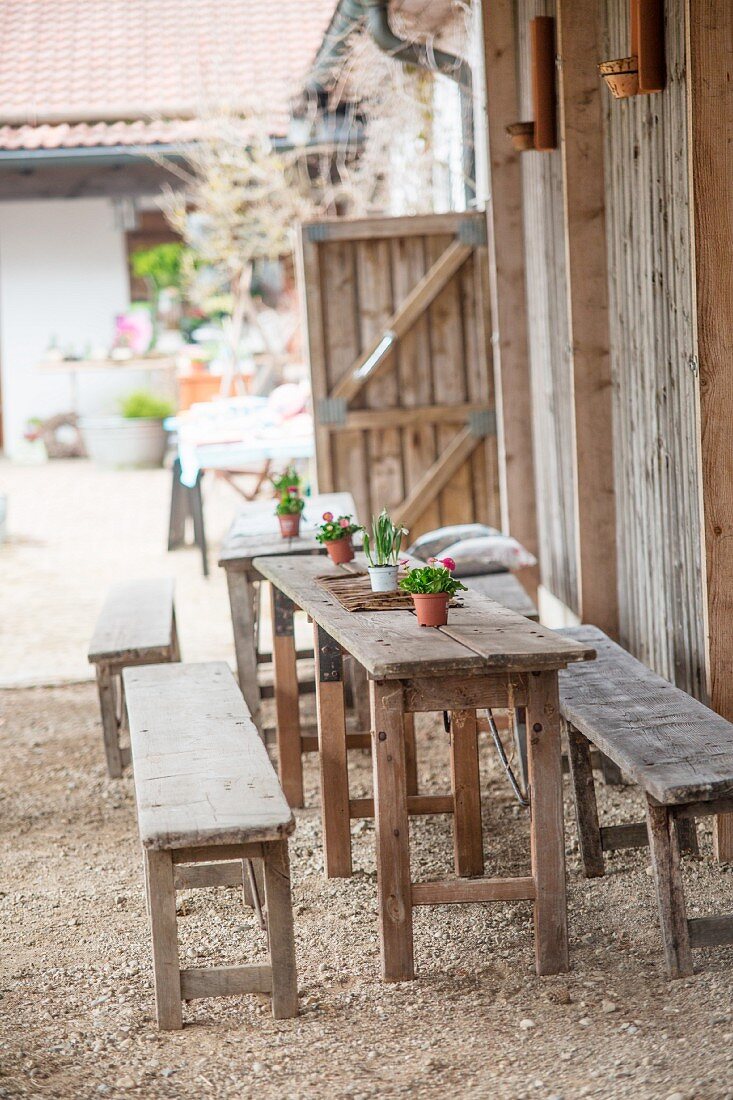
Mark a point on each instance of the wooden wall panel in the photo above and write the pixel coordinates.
(661, 590)
(550, 348)
(506, 277)
(711, 84)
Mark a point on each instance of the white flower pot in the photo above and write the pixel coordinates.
(383, 577)
(124, 441)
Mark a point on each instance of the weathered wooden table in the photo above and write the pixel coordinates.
(487, 656)
(255, 533)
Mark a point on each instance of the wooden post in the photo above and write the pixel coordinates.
(241, 602)
(332, 755)
(280, 930)
(392, 829)
(467, 834)
(287, 705)
(507, 286)
(164, 934)
(110, 728)
(665, 853)
(581, 143)
(711, 89)
(547, 826)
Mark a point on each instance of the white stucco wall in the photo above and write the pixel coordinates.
(62, 276)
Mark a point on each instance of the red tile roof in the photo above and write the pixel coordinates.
(77, 73)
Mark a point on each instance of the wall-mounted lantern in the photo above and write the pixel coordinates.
(644, 71)
(540, 135)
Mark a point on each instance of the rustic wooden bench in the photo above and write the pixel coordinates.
(207, 794)
(677, 750)
(137, 626)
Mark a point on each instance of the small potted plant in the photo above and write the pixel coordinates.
(382, 549)
(290, 504)
(432, 587)
(336, 535)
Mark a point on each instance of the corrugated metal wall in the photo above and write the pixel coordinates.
(652, 340)
(549, 341)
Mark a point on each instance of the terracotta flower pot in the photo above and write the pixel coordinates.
(290, 525)
(431, 608)
(340, 550)
(621, 76)
(522, 136)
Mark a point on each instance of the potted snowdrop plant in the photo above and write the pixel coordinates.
(290, 503)
(382, 549)
(432, 588)
(336, 534)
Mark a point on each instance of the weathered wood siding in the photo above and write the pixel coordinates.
(549, 342)
(661, 587)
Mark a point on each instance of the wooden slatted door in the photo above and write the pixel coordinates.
(398, 337)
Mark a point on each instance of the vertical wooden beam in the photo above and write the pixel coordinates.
(711, 139)
(507, 285)
(581, 143)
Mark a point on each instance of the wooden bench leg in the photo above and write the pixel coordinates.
(175, 644)
(392, 831)
(520, 741)
(280, 930)
(586, 807)
(467, 834)
(197, 513)
(670, 894)
(547, 831)
(612, 775)
(287, 704)
(164, 934)
(241, 602)
(687, 835)
(332, 755)
(410, 754)
(110, 726)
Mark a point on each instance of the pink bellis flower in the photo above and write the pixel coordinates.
(328, 516)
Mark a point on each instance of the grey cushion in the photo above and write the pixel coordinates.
(432, 542)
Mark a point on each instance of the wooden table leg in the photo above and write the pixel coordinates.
(241, 602)
(287, 704)
(547, 826)
(410, 754)
(332, 755)
(467, 834)
(392, 831)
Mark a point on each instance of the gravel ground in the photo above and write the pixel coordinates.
(76, 1001)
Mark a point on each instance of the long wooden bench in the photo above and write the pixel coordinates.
(677, 750)
(136, 626)
(207, 795)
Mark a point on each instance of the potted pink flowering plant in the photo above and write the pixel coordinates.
(336, 534)
(432, 587)
(290, 503)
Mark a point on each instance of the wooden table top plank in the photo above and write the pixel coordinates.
(137, 617)
(202, 774)
(674, 746)
(508, 639)
(255, 533)
(390, 644)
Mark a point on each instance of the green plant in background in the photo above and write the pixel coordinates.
(160, 267)
(143, 405)
(431, 580)
(288, 479)
(291, 503)
(382, 545)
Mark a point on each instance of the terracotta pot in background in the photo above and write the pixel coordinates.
(340, 550)
(432, 608)
(290, 525)
(621, 76)
(522, 136)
